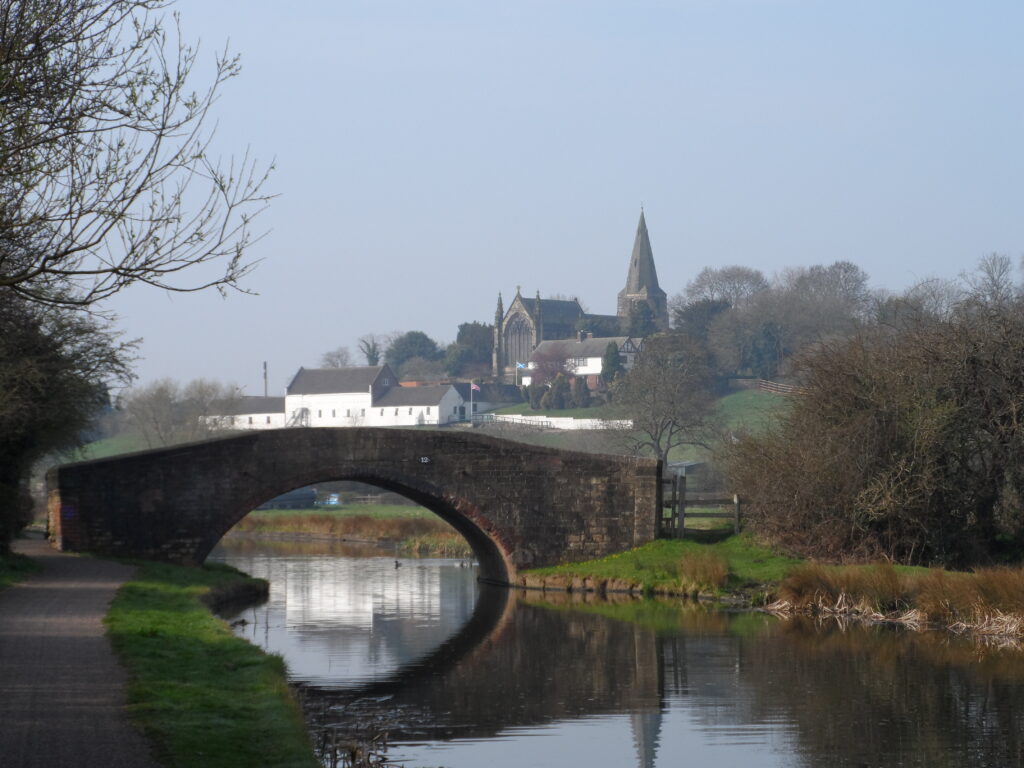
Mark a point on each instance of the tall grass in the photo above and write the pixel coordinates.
(366, 527)
(988, 601)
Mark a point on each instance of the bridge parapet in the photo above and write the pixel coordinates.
(518, 505)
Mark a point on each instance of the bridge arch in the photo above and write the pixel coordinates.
(517, 505)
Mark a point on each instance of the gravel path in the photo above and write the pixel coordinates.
(62, 692)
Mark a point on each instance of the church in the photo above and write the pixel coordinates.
(528, 322)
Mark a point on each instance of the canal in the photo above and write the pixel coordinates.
(462, 675)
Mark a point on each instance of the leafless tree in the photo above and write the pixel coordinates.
(336, 358)
(372, 348)
(106, 177)
(668, 396)
(164, 413)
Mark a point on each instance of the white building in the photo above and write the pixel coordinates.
(251, 412)
(581, 357)
(366, 397)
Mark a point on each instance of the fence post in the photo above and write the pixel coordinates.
(681, 494)
(736, 503)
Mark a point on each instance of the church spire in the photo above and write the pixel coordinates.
(642, 273)
(642, 281)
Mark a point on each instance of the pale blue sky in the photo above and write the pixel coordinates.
(432, 154)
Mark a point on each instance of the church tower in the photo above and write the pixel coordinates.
(642, 281)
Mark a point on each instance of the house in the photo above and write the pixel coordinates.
(251, 412)
(582, 357)
(367, 396)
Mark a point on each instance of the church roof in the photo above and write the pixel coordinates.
(554, 310)
(324, 381)
(642, 276)
(572, 348)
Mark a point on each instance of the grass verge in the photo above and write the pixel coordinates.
(671, 566)
(15, 568)
(203, 696)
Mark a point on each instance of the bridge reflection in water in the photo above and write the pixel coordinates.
(694, 685)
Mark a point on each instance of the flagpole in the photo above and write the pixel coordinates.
(470, 401)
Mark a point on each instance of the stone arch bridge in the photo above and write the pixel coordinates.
(518, 505)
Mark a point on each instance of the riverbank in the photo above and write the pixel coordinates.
(201, 695)
(735, 569)
(987, 602)
(414, 531)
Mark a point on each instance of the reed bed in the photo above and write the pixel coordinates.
(442, 544)
(703, 572)
(365, 527)
(988, 602)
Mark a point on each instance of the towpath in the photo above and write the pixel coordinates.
(62, 692)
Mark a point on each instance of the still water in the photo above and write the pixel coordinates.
(465, 676)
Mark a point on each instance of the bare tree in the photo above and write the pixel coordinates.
(165, 413)
(668, 396)
(734, 284)
(105, 174)
(372, 347)
(336, 358)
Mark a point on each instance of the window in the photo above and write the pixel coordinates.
(428, 410)
(381, 411)
(348, 412)
(333, 414)
(455, 409)
(410, 411)
(319, 414)
(396, 411)
(268, 419)
(362, 411)
(250, 419)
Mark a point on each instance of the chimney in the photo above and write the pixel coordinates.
(581, 336)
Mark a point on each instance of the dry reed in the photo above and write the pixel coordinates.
(987, 602)
(703, 572)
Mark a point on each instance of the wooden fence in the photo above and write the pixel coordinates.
(676, 500)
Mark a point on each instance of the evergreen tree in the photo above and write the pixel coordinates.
(611, 363)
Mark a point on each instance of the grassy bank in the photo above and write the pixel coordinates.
(735, 566)
(203, 696)
(417, 531)
(15, 568)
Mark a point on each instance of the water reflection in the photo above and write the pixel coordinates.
(529, 679)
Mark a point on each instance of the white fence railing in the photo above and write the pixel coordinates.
(553, 422)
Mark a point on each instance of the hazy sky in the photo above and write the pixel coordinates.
(431, 153)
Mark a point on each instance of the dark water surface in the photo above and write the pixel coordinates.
(465, 676)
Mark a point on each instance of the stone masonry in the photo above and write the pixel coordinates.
(519, 506)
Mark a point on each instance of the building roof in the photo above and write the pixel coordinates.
(325, 381)
(642, 277)
(572, 348)
(251, 404)
(400, 396)
(554, 310)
